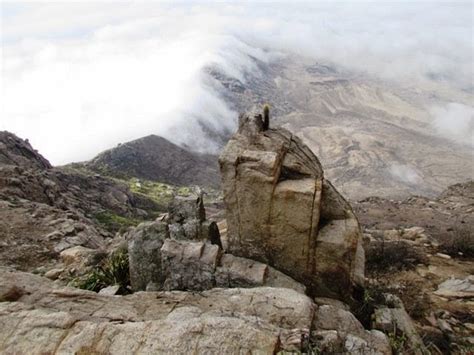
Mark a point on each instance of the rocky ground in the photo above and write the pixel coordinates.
(73, 227)
(422, 249)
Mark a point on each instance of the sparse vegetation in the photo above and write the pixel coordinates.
(372, 296)
(397, 341)
(393, 256)
(113, 270)
(113, 222)
(160, 193)
(460, 243)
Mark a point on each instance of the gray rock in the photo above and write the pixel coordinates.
(240, 272)
(393, 318)
(197, 266)
(182, 208)
(53, 274)
(320, 301)
(110, 291)
(456, 288)
(144, 250)
(339, 331)
(188, 265)
(76, 255)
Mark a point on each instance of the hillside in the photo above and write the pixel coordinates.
(157, 159)
(374, 137)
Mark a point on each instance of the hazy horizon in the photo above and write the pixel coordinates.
(79, 78)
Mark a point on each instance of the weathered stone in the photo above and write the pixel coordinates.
(321, 301)
(188, 265)
(197, 266)
(76, 255)
(350, 336)
(240, 272)
(394, 318)
(330, 317)
(53, 274)
(281, 211)
(456, 288)
(110, 290)
(46, 319)
(183, 208)
(144, 251)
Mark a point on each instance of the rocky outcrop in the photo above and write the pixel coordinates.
(185, 221)
(45, 210)
(201, 266)
(38, 317)
(18, 152)
(281, 210)
(183, 251)
(457, 288)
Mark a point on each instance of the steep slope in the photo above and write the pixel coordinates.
(18, 152)
(45, 210)
(155, 158)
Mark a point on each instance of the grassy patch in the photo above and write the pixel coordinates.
(113, 270)
(160, 193)
(113, 222)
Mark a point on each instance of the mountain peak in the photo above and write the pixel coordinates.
(156, 158)
(19, 152)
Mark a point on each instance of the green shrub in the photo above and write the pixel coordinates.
(397, 341)
(113, 270)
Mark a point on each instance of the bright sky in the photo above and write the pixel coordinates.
(80, 77)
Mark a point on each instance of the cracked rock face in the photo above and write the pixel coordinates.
(38, 317)
(280, 210)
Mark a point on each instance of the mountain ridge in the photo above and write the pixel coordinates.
(157, 159)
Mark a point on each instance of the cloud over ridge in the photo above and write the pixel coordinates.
(79, 78)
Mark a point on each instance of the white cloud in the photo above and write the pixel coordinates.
(405, 173)
(454, 121)
(81, 77)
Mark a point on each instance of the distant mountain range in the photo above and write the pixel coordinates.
(373, 137)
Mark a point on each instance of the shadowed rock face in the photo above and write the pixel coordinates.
(18, 152)
(281, 211)
(155, 158)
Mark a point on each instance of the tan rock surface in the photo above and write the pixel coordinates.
(40, 318)
(281, 211)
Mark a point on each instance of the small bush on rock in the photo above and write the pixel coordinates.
(113, 270)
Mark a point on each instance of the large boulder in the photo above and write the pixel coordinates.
(281, 210)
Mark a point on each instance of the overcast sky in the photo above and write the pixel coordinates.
(78, 78)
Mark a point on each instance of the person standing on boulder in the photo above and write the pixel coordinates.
(266, 117)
